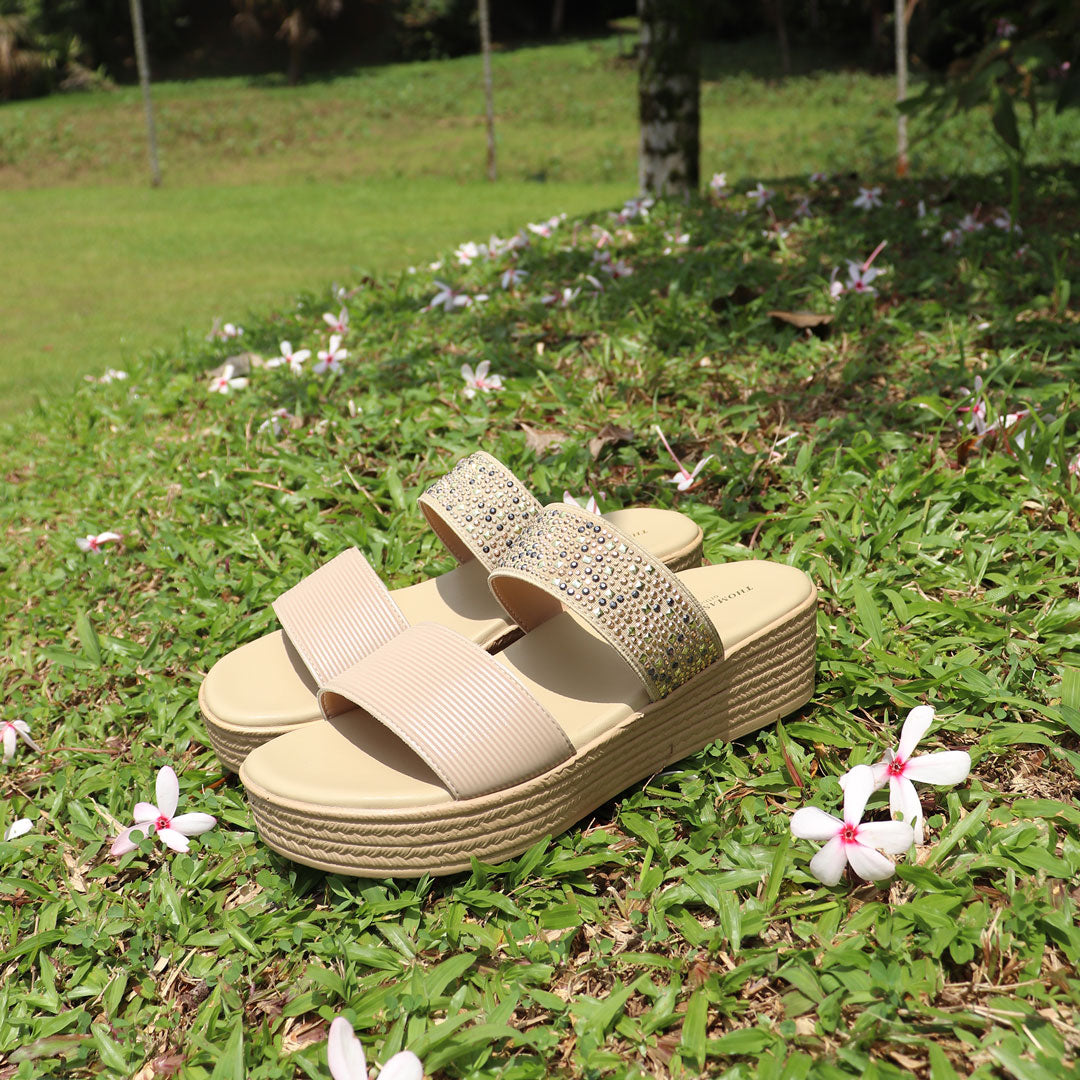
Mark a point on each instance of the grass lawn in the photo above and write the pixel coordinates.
(271, 190)
(678, 930)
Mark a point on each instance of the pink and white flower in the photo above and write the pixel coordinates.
(564, 297)
(868, 198)
(339, 324)
(92, 543)
(970, 223)
(683, 479)
(617, 268)
(718, 185)
(480, 379)
(1074, 466)
(760, 194)
(110, 375)
(150, 818)
(590, 504)
(227, 380)
(1004, 28)
(850, 841)
(11, 731)
(19, 827)
(448, 298)
(294, 360)
(512, 276)
(952, 237)
(1002, 219)
(802, 207)
(899, 769)
(274, 422)
(819, 177)
(977, 421)
(330, 358)
(345, 1057)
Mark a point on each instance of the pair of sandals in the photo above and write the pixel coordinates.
(567, 656)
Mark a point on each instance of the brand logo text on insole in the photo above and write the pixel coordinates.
(717, 600)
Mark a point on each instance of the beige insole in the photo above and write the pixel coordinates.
(266, 684)
(352, 761)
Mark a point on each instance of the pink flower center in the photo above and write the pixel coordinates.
(162, 823)
(897, 767)
(849, 834)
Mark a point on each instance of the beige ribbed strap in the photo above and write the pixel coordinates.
(569, 559)
(476, 507)
(338, 614)
(473, 723)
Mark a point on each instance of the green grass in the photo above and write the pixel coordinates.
(109, 273)
(270, 189)
(676, 932)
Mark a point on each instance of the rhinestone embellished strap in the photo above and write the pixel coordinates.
(568, 559)
(477, 507)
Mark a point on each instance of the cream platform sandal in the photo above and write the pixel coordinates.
(433, 751)
(343, 611)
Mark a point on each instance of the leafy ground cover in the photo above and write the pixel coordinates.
(677, 931)
(269, 189)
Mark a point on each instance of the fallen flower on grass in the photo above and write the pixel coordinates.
(338, 324)
(479, 380)
(899, 769)
(19, 827)
(346, 1059)
(330, 358)
(760, 194)
(590, 504)
(564, 297)
(224, 333)
(110, 375)
(294, 360)
(511, 276)
(273, 421)
(868, 198)
(718, 185)
(447, 298)
(11, 731)
(977, 408)
(802, 207)
(92, 543)
(819, 177)
(227, 380)
(150, 818)
(683, 479)
(860, 275)
(852, 841)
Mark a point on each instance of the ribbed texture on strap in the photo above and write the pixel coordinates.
(477, 507)
(473, 723)
(338, 614)
(571, 559)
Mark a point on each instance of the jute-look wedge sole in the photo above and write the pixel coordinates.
(352, 797)
(342, 612)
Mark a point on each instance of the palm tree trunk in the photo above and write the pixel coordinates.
(669, 98)
(489, 95)
(144, 81)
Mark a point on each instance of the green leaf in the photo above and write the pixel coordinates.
(111, 1054)
(1004, 120)
(695, 1022)
(230, 1065)
(87, 635)
(868, 613)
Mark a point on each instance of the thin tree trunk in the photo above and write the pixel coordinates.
(775, 9)
(144, 82)
(558, 15)
(669, 97)
(489, 95)
(900, 17)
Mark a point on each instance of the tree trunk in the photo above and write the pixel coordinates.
(901, 87)
(489, 95)
(144, 81)
(558, 15)
(775, 10)
(669, 97)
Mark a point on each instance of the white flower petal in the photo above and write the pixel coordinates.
(173, 839)
(19, 827)
(83, 543)
(915, 727)
(193, 824)
(828, 864)
(146, 811)
(904, 803)
(168, 791)
(859, 788)
(812, 823)
(9, 743)
(467, 373)
(869, 864)
(944, 767)
(125, 843)
(892, 837)
(102, 537)
(482, 369)
(344, 1054)
(402, 1066)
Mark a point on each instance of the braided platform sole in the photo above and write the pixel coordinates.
(765, 678)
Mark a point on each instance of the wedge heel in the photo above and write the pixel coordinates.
(767, 676)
